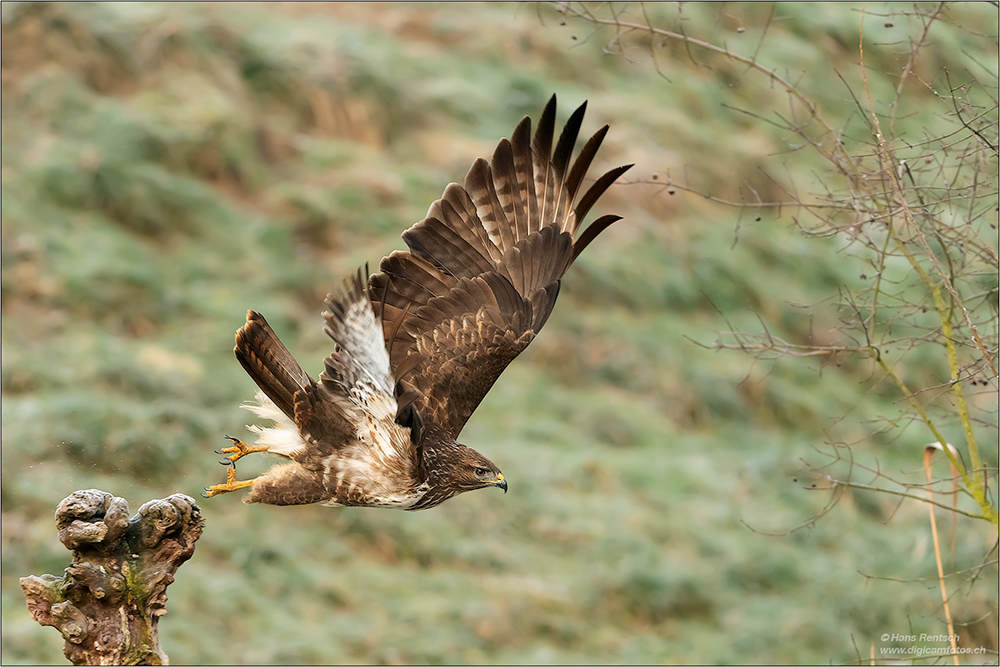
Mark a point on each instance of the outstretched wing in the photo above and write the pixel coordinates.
(484, 266)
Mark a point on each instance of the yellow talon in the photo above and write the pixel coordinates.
(230, 485)
(239, 449)
(236, 451)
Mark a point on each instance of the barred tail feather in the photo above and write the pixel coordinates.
(269, 363)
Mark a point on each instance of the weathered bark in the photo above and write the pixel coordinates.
(109, 601)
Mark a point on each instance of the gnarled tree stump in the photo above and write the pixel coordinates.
(109, 601)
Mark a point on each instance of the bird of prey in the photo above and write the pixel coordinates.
(420, 345)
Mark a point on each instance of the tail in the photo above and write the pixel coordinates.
(269, 363)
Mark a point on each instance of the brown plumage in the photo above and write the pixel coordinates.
(422, 344)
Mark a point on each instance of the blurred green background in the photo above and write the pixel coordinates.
(168, 166)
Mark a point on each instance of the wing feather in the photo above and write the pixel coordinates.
(595, 191)
(444, 247)
(576, 174)
(360, 357)
(541, 154)
(560, 164)
(479, 184)
(524, 168)
(508, 190)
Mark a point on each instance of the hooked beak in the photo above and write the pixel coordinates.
(501, 482)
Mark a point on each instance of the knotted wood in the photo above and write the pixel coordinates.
(108, 602)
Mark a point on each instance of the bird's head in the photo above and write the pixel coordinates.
(453, 468)
(472, 470)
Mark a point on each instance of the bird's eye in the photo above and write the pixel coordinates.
(481, 472)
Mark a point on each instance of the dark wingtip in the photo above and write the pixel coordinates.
(591, 232)
(591, 196)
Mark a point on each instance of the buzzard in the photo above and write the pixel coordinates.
(420, 345)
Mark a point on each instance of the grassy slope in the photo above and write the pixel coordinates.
(167, 167)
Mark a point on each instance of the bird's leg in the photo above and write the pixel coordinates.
(238, 450)
(230, 485)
